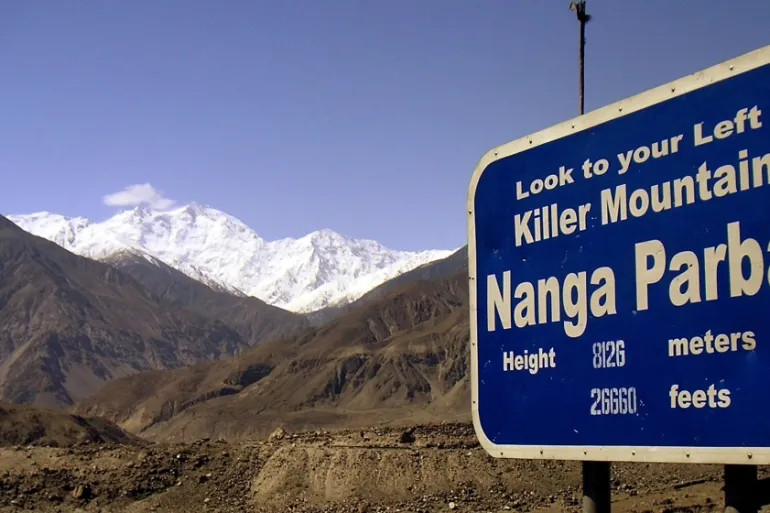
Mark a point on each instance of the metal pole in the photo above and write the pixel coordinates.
(596, 474)
(581, 58)
(583, 18)
(596, 487)
(741, 489)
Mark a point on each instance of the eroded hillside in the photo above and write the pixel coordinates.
(71, 324)
(397, 359)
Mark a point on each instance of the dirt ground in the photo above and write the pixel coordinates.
(423, 470)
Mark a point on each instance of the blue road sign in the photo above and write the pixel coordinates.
(619, 269)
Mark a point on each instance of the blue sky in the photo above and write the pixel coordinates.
(363, 116)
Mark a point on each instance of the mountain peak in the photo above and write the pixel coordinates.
(144, 211)
(194, 211)
(140, 212)
(321, 269)
(198, 209)
(326, 235)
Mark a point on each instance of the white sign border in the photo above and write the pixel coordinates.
(662, 454)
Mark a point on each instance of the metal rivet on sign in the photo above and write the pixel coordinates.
(633, 453)
(673, 89)
(495, 153)
(620, 109)
(688, 454)
(750, 455)
(731, 67)
(541, 451)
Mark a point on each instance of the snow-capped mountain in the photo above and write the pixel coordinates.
(321, 269)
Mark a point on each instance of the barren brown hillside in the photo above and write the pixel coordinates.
(403, 357)
(34, 426)
(71, 324)
(255, 320)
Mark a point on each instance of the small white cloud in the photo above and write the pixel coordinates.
(139, 194)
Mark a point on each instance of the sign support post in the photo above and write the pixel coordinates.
(596, 487)
(596, 474)
(741, 489)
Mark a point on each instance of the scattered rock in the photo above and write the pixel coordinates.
(407, 437)
(278, 434)
(81, 492)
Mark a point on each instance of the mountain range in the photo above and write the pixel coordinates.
(141, 343)
(400, 357)
(70, 323)
(322, 269)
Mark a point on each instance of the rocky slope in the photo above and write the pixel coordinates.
(438, 269)
(253, 319)
(321, 269)
(31, 426)
(71, 324)
(402, 357)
